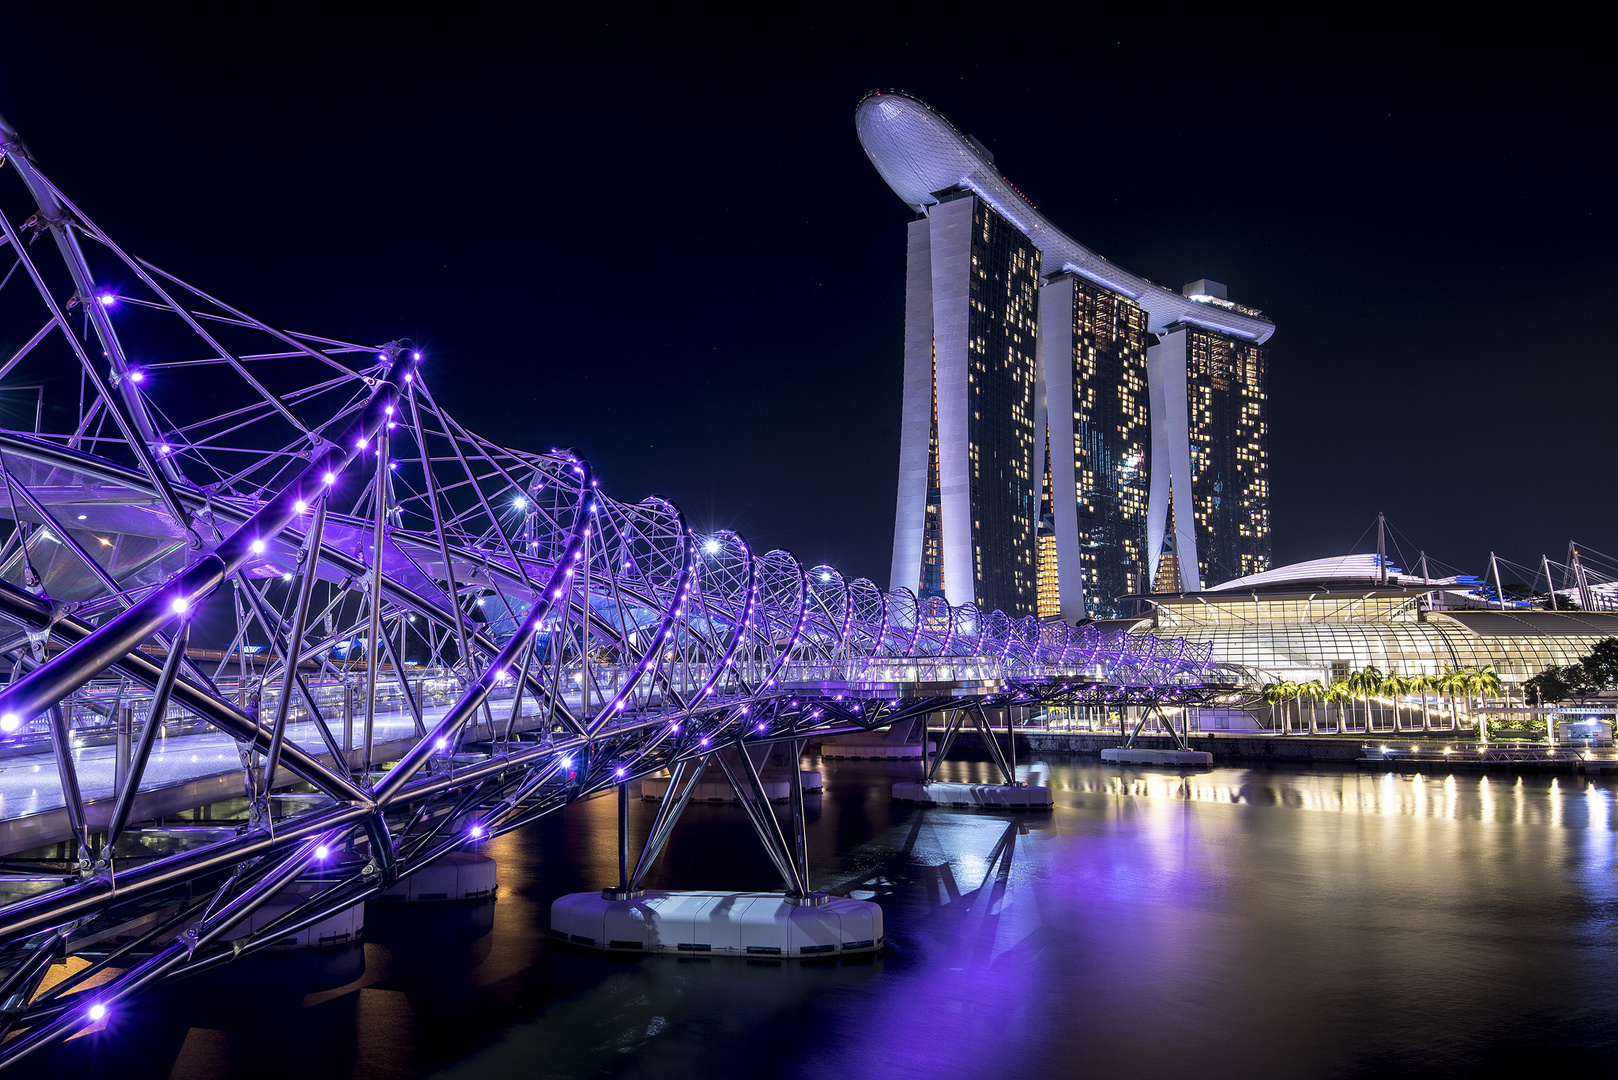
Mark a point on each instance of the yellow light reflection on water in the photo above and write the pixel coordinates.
(1527, 800)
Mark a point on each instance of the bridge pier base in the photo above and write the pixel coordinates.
(460, 875)
(986, 796)
(797, 922)
(904, 741)
(1123, 755)
(338, 930)
(719, 924)
(1014, 794)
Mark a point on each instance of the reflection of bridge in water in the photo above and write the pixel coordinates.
(204, 473)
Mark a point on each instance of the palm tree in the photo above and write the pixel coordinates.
(1354, 681)
(1289, 694)
(1480, 683)
(1367, 680)
(1273, 696)
(1395, 686)
(1339, 693)
(1452, 682)
(1314, 690)
(1422, 684)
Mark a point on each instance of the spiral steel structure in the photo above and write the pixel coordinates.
(434, 638)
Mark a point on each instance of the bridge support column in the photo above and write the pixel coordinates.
(790, 924)
(952, 727)
(1182, 755)
(348, 722)
(624, 890)
(926, 724)
(762, 817)
(1011, 795)
(1011, 744)
(992, 744)
(683, 782)
(800, 841)
(120, 763)
(623, 837)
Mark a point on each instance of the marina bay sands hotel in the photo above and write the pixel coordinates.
(1072, 432)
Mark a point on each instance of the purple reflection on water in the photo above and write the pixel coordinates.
(1233, 922)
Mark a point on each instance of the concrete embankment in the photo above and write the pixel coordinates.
(1300, 750)
(1292, 749)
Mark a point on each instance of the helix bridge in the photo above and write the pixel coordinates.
(250, 566)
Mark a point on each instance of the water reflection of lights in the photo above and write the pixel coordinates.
(1556, 802)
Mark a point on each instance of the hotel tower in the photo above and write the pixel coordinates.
(1072, 433)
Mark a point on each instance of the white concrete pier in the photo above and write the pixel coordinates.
(1184, 759)
(718, 924)
(344, 928)
(988, 796)
(460, 875)
(874, 746)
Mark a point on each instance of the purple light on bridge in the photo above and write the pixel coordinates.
(322, 851)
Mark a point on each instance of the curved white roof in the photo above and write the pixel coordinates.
(918, 153)
(1341, 571)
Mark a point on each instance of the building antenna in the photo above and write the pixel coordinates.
(1579, 578)
(1494, 565)
(1381, 549)
(1550, 586)
(1425, 580)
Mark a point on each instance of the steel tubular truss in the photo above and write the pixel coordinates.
(428, 638)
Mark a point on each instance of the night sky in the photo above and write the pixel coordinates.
(662, 245)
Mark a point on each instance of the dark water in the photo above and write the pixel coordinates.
(1230, 923)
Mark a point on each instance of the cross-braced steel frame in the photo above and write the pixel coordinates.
(433, 638)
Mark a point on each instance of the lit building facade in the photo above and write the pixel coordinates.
(1210, 502)
(1046, 447)
(1093, 345)
(969, 508)
(1328, 618)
